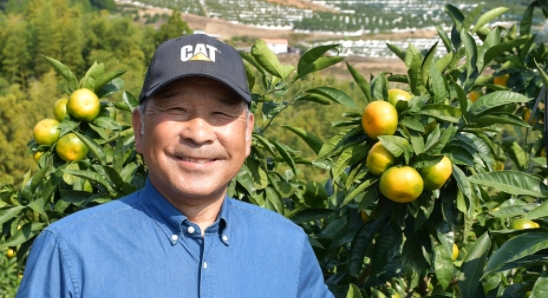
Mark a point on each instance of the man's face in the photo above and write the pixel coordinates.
(196, 138)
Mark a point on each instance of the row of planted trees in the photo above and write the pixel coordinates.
(479, 232)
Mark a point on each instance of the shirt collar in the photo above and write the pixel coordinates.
(171, 220)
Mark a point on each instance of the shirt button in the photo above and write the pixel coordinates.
(205, 265)
(225, 238)
(191, 230)
(174, 237)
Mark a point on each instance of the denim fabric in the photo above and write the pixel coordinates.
(142, 246)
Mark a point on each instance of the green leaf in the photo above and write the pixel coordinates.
(472, 15)
(412, 123)
(443, 62)
(111, 87)
(538, 212)
(267, 59)
(512, 182)
(313, 60)
(93, 75)
(130, 100)
(107, 122)
(396, 50)
(362, 83)
(9, 212)
(395, 144)
(38, 206)
(495, 99)
(501, 118)
(543, 75)
(64, 71)
(497, 50)
(106, 78)
(491, 40)
(541, 286)
(516, 248)
(464, 186)
(456, 15)
(273, 197)
(349, 157)
(445, 38)
(250, 74)
(93, 176)
(359, 190)
(437, 84)
(94, 148)
(309, 215)
(285, 155)
(527, 19)
(353, 292)
(414, 60)
(488, 17)
(26, 232)
(335, 95)
(427, 63)
(311, 140)
(314, 98)
(516, 209)
(442, 112)
(361, 242)
(471, 53)
(472, 266)
(443, 266)
(379, 86)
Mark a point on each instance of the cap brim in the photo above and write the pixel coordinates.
(243, 94)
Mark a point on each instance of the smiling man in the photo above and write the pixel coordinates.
(181, 235)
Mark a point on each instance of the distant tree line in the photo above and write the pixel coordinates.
(76, 32)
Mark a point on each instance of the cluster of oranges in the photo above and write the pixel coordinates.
(400, 184)
(83, 104)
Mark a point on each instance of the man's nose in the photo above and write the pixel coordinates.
(198, 131)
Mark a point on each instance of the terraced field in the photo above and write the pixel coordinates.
(350, 17)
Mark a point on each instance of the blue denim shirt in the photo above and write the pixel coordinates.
(142, 246)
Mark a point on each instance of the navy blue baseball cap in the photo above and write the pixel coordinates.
(195, 55)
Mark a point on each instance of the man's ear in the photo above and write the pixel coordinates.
(137, 124)
(248, 132)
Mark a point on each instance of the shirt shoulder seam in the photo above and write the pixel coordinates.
(68, 261)
(60, 227)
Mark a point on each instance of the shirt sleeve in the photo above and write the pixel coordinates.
(46, 272)
(311, 280)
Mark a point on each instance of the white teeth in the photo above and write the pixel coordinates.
(200, 161)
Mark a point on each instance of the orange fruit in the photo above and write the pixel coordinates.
(499, 165)
(436, 175)
(60, 109)
(71, 148)
(543, 152)
(364, 216)
(379, 118)
(523, 223)
(394, 95)
(401, 184)
(45, 132)
(84, 105)
(527, 116)
(502, 80)
(475, 94)
(36, 155)
(10, 253)
(379, 159)
(455, 253)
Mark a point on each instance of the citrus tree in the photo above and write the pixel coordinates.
(417, 203)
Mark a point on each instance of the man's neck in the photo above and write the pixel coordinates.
(203, 216)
